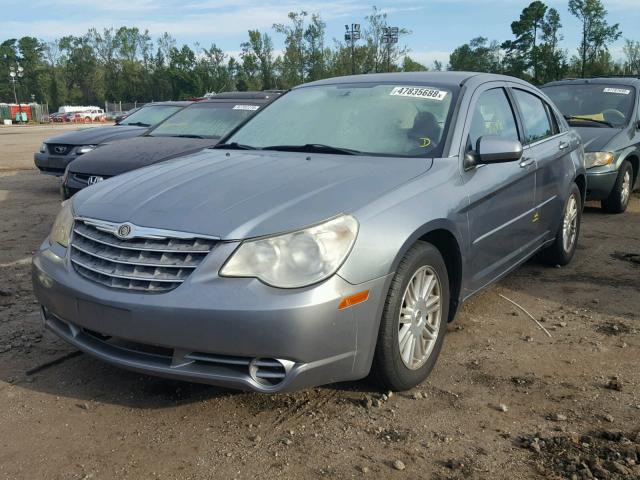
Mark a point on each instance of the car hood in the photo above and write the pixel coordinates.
(97, 135)
(595, 139)
(245, 194)
(119, 157)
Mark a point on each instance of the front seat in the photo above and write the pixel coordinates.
(425, 132)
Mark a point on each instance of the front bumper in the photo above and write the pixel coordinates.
(53, 164)
(600, 183)
(208, 317)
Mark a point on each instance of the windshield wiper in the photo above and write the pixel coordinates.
(587, 119)
(187, 135)
(234, 146)
(313, 148)
(136, 124)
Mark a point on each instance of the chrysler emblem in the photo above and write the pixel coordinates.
(124, 230)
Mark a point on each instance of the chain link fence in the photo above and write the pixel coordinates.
(114, 109)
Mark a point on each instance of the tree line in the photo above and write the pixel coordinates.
(127, 64)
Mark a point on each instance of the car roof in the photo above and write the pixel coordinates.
(174, 103)
(452, 78)
(635, 81)
(266, 95)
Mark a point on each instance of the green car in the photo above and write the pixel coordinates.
(604, 111)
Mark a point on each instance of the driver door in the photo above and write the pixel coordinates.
(501, 195)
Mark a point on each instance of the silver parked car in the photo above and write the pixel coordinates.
(333, 234)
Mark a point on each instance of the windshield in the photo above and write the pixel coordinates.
(390, 120)
(593, 103)
(151, 115)
(205, 120)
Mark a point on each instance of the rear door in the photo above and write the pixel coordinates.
(552, 149)
(501, 195)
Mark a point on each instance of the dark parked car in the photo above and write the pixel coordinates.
(57, 152)
(336, 232)
(604, 111)
(196, 127)
(122, 115)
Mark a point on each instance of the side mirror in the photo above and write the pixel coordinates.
(492, 149)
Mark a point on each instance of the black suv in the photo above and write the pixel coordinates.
(605, 112)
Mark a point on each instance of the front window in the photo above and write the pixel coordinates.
(493, 115)
(151, 115)
(364, 118)
(594, 105)
(205, 120)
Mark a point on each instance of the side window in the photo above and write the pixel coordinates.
(534, 115)
(555, 126)
(493, 115)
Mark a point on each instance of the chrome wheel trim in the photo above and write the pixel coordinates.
(570, 224)
(420, 317)
(626, 188)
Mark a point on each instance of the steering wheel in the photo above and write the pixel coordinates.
(614, 116)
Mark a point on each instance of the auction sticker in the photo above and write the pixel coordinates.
(419, 92)
(622, 91)
(246, 107)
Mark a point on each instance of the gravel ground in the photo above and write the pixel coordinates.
(504, 402)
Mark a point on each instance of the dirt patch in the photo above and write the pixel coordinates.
(603, 454)
(634, 258)
(614, 329)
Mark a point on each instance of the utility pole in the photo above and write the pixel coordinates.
(389, 37)
(351, 35)
(15, 75)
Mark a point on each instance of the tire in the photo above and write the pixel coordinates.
(618, 199)
(557, 253)
(389, 369)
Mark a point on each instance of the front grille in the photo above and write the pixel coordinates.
(157, 264)
(59, 148)
(84, 177)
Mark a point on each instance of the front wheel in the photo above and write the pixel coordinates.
(618, 199)
(561, 251)
(414, 320)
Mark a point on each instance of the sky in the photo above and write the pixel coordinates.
(437, 26)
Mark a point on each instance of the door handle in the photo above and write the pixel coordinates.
(563, 145)
(526, 162)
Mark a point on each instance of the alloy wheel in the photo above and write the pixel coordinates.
(625, 191)
(420, 317)
(570, 224)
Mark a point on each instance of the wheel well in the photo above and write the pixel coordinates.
(448, 247)
(582, 186)
(635, 163)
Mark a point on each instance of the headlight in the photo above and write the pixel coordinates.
(43, 148)
(85, 149)
(295, 259)
(61, 230)
(598, 159)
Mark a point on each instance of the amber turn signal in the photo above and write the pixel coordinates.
(355, 299)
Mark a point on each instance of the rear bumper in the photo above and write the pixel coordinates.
(52, 164)
(599, 185)
(209, 318)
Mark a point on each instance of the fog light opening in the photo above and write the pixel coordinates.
(267, 371)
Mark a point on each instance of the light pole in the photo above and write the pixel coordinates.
(351, 35)
(15, 75)
(389, 37)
